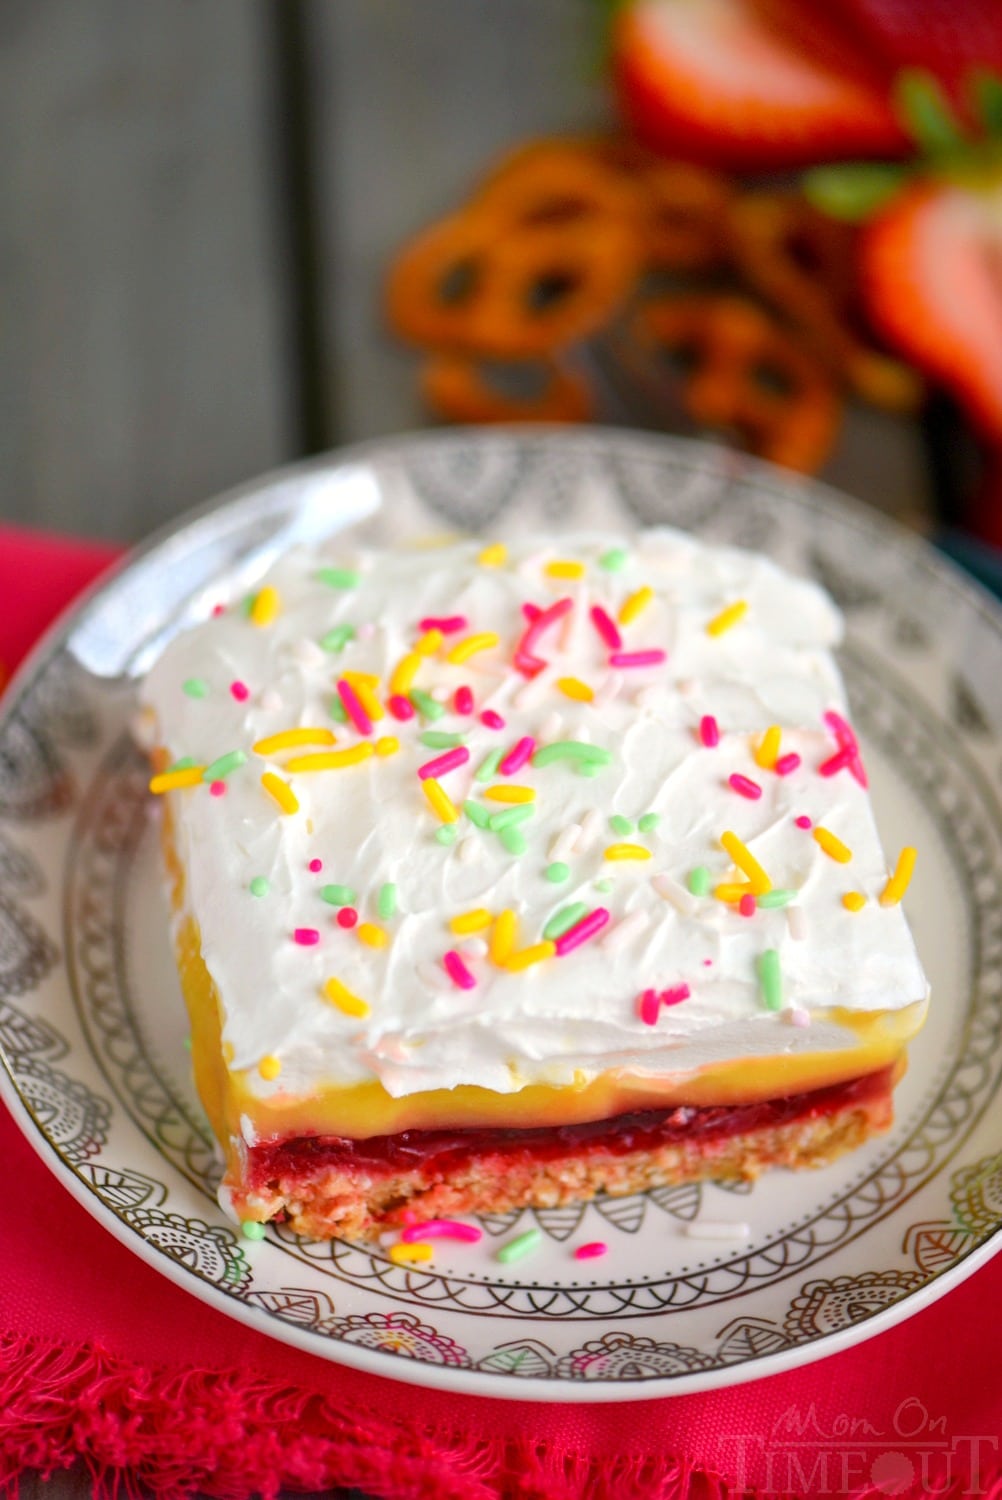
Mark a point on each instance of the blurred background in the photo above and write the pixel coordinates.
(235, 232)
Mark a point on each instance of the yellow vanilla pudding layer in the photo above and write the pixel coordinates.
(481, 837)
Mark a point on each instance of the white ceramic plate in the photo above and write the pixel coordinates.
(92, 1028)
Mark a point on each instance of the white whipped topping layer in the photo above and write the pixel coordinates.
(569, 1018)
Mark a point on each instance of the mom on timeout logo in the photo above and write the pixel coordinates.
(914, 1454)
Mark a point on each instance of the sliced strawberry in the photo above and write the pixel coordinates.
(931, 276)
(717, 81)
(952, 40)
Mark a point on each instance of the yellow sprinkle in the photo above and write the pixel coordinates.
(767, 753)
(526, 957)
(169, 781)
(504, 936)
(471, 644)
(564, 568)
(418, 1250)
(573, 687)
(746, 862)
(504, 793)
(387, 744)
(493, 556)
(627, 851)
(365, 685)
(266, 606)
(471, 921)
(854, 901)
(340, 995)
(282, 793)
(635, 605)
(269, 1067)
(731, 890)
(405, 672)
(832, 846)
(428, 644)
(440, 800)
(330, 760)
(900, 880)
(728, 617)
(290, 737)
(371, 935)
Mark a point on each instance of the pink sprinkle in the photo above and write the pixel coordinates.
(240, 691)
(606, 627)
(218, 609)
(528, 664)
(400, 707)
(347, 916)
(448, 624)
(306, 937)
(747, 905)
(218, 788)
(582, 931)
(709, 732)
(491, 719)
(803, 821)
(443, 763)
(787, 764)
(637, 658)
(316, 865)
(441, 1229)
(463, 700)
(517, 756)
(591, 1250)
(675, 995)
(648, 1006)
(540, 622)
(745, 787)
(707, 963)
(837, 762)
(457, 971)
(353, 708)
(531, 611)
(845, 736)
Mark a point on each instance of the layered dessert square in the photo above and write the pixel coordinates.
(506, 875)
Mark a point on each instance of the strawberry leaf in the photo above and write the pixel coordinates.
(986, 96)
(852, 191)
(925, 112)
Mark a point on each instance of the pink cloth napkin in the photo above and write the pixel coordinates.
(103, 1359)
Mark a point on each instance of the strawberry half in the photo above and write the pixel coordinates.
(931, 277)
(718, 81)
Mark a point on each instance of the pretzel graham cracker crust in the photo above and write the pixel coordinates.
(502, 876)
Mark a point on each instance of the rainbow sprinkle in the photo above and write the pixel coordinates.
(744, 786)
(503, 937)
(746, 863)
(564, 568)
(330, 760)
(440, 801)
(901, 879)
(582, 931)
(606, 627)
(266, 606)
(652, 658)
(520, 1246)
(635, 605)
(442, 764)
(787, 764)
(471, 921)
(591, 1251)
(767, 751)
(290, 738)
(280, 791)
(854, 901)
(626, 851)
(306, 937)
(471, 645)
(457, 971)
(442, 1229)
(353, 707)
(518, 756)
(709, 733)
(770, 978)
(170, 781)
(525, 958)
(340, 995)
(411, 1253)
(833, 847)
(727, 618)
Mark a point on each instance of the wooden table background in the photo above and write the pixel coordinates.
(198, 199)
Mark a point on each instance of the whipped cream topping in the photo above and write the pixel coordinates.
(258, 878)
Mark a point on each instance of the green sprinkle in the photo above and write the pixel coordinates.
(338, 638)
(339, 578)
(337, 710)
(649, 822)
(522, 1244)
(195, 687)
(386, 901)
(438, 739)
(510, 817)
(604, 886)
(558, 872)
(184, 764)
(775, 898)
(338, 895)
(574, 750)
(771, 979)
(252, 1230)
(513, 841)
(247, 604)
(446, 834)
(563, 920)
(187, 1044)
(615, 560)
(476, 814)
(426, 704)
(488, 768)
(222, 767)
(621, 825)
(699, 881)
(259, 886)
